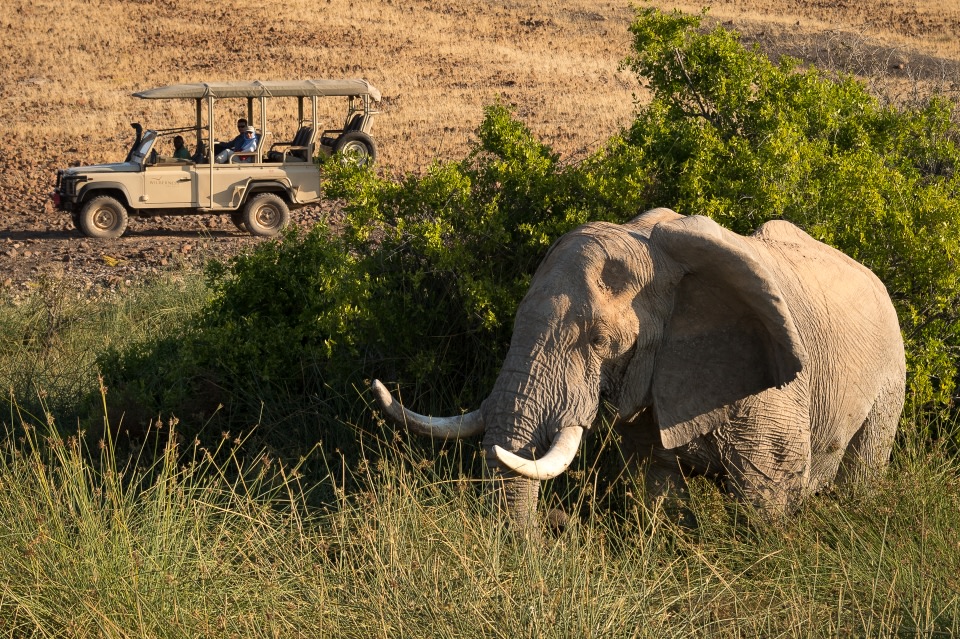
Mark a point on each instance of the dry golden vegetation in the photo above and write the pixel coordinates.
(917, 27)
(437, 64)
(69, 66)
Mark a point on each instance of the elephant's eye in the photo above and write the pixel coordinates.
(599, 341)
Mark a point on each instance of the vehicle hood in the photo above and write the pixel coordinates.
(116, 167)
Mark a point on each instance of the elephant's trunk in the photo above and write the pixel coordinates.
(514, 495)
(517, 432)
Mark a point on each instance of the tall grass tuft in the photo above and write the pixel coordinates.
(176, 540)
(49, 342)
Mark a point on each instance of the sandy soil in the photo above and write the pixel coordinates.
(437, 63)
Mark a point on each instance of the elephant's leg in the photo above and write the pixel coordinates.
(868, 452)
(765, 449)
(643, 455)
(667, 470)
(663, 477)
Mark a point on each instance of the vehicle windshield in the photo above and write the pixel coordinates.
(142, 149)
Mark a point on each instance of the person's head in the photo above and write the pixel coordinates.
(249, 131)
(242, 125)
(177, 141)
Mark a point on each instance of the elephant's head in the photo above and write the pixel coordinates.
(669, 312)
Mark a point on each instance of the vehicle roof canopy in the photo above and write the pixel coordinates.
(256, 89)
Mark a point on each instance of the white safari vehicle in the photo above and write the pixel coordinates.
(256, 188)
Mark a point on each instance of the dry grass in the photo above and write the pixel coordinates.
(926, 27)
(904, 49)
(437, 64)
(222, 546)
(68, 68)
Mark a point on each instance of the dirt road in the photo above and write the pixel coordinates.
(38, 241)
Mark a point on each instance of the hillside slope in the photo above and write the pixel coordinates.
(69, 67)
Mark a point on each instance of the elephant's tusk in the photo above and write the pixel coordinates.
(557, 459)
(464, 425)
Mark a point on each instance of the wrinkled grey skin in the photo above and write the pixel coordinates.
(772, 363)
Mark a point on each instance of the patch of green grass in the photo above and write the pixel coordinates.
(184, 541)
(49, 342)
(98, 538)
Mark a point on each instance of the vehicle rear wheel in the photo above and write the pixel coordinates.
(356, 147)
(103, 217)
(237, 218)
(266, 215)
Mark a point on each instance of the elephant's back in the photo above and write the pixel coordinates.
(826, 285)
(845, 317)
(793, 241)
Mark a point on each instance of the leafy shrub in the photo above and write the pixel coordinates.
(732, 135)
(421, 283)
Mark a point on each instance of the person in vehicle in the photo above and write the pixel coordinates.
(247, 145)
(180, 152)
(236, 142)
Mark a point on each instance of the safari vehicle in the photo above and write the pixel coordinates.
(257, 189)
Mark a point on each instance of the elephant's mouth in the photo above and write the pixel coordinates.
(612, 375)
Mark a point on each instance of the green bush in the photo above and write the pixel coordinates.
(421, 283)
(732, 135)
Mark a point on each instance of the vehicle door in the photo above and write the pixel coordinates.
(167, 182)
(170, 183)
(223, 186)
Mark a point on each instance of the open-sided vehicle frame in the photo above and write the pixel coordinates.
(257, 189)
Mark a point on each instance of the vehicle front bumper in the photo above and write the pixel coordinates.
(65, 193)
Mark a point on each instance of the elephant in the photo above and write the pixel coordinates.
(771, 363)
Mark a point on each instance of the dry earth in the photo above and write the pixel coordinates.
(68, 68)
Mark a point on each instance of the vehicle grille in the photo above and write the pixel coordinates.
(67, 184)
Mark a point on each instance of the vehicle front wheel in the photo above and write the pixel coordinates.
(266, 215)
(102, 217)
(356, 147)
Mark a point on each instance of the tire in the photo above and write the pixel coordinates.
(266, 215)
(356, 147)
(237, 218)
(103, 217)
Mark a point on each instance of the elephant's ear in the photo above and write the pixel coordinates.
(730, 335)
